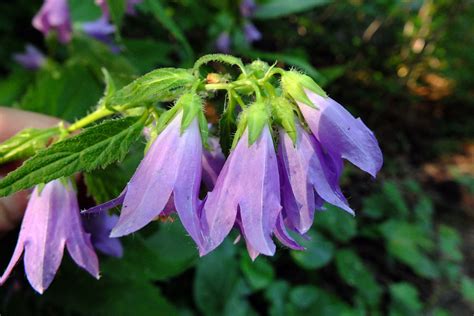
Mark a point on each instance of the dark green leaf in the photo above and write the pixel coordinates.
(337, 222)
(278, 8)
(450, 244)
(310, 300)
(258, 273)
(216, 280)
(95, 147)
(14, 86)
(146, 54)
(319, 251)
(353, 270)
(467, 288)
(404, 300)
(277, 293)
(156, 8)
(117, 11)
(160, 256)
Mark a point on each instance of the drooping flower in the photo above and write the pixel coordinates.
(99, 226)
(247, 8)
(212, 162)
(171, 169)
(341, 134)
(251, 33)
(51, 222)
(31, 59)
(247, 192)
(223, 42)
(54, 15)
(101, 29)
(309, 176)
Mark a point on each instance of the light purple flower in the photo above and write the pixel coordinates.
(101, 29)
(51, 222)
(307, 175)
(212, 162)
(31, 59)
(341, 134)
(130, 9)
(54, 15)
(247, 192)
(99, 226)
(251, 33)
(223, 43)
(171, 169)
(247, 8)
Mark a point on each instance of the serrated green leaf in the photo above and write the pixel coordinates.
(160, 85)
(26, 143)
(354, 272)
(95, 147)
(278, 8)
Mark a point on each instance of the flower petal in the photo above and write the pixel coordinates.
(339, 132)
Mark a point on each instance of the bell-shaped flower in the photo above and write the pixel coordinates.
(247, 192)
(102, 30)
(247, 8)
(54, 15)
(99, 226)
(308, 176)
(341, 134)
(251, 32)
(223, 42)
(51, 222)
(31, 59)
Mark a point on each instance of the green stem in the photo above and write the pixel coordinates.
(89, 119)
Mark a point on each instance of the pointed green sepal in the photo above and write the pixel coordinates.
(294, 84)
(257, 118)
(191, 104)
(165, 118)
(284, 115)
(204, 129)
(241, 126)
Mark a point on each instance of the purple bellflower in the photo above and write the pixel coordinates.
(251, 33)
(172, 165)
(223, 42)
(54, 15)
(341, 134)
(247, 8)
(51, 222)
(99, 226)
(101, 29)
(31, 59)
(212, 162)
(309, 176)
(247, 194)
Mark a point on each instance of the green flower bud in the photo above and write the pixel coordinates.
(283, 114)
(294, 84)
(258, 68)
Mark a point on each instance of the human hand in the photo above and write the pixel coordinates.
(11, 122)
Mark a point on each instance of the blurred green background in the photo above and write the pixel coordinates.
(405, 67)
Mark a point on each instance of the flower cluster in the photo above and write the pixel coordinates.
(286, 158)
(260, 191)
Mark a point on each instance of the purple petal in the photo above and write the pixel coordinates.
(32, 59)
(107, 205)
(223, 43)
(54, 15)
(283, 236)
(341, 134)
(186, 189)
(247, 8)
(249, 179)
(251, 33)
(212, 163)
(99, 226)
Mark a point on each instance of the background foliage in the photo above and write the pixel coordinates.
(404, 66)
